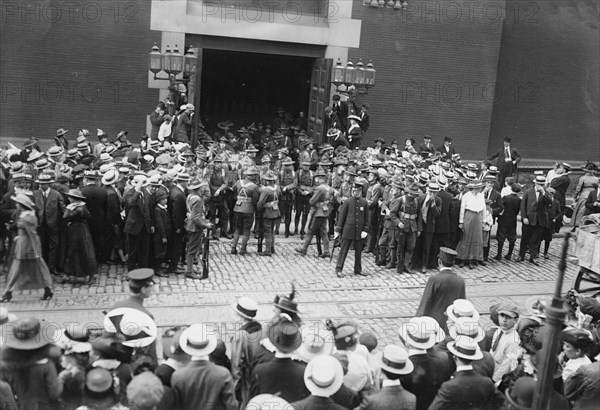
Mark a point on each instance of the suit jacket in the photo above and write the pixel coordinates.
(590, 201)
(422, 148)
(536, 211)
(281, 375)
(53, 210)
(352, 218)
(316, 403)
(113, 211)
(390, 398)
(512, 206)
(177, 207)
(431, 370)
(97, 203)
(342, 112)
(140, 212)
(434, 210)
(484, 366)
(346, 397)
(442, 221)
(467, 390)
(440, 291)
(203, 385)
(560, 185)
(505, 167)
(496, 202)
(446, 153)
(156, 120)
(364, 121)
(454, 214)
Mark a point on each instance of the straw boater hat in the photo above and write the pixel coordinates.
(540, 180)
(466, 327)
(194, 184)
(465, 348)
(27, 334)
(137, 327)
(56, 151)
(198, 340)
(34, 156)
(171, 347)
(323, 376)
(394, 359)
(111, 177)
(6, 317)
(418, 333)
(23, 200)
(45, 179)
(268, 401)
(246, 307)
(315, 341)
(462, 308)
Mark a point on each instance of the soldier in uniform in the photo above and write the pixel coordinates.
(391, 232)
(282, 155)
(321, 206)
(405, 218)
(374, 191)
(141, 285)
(304, 183)
(336, 178)
(246, 194)
(216, 204)
(268, 204)
(287, 182)
(309, 154)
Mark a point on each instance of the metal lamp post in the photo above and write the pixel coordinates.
(357, 78)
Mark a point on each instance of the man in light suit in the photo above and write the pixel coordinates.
(534, 213)
(51, 207)
(394, 363)
(467, 389)
(352, 225)
(508, 158)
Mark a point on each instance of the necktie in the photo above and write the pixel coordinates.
(507, 154)
(497, 337)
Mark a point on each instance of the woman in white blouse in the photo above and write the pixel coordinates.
(472, 208)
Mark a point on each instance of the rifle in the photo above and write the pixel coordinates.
(336, 244)
(206, 249)
(379, 233)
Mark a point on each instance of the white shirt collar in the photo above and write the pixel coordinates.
(413, 352)
(445, 268)
(281, 355)
(199, 358)
(464, 368)
(390, 383)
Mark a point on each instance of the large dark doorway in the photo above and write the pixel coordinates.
(249, 87)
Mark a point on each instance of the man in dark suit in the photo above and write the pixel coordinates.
(507, 160)
(494, 201)
(139, 223)
(364, 117)
(426, 147)
(442, 289)
(592, 203)
(441, 236)
(395, 364)
(177, 209)
(281, 375)
(156, 119)
(431, 367)
(467, 389)
(561, 184)
(113, 213)
(323, 377)
(507, 222)
(534, 213)
(202, 384)
(429, 206)
(447, 150)
(340, 108)
(352, 225)
(97, 203)
(50, 209)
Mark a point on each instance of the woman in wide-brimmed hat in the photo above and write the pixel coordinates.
(28, 270)
(80, 264)
(28, 364)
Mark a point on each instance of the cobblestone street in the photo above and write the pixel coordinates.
(379, 302)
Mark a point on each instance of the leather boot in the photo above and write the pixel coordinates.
(277, 225)
(236, 238)
(382, 256)
(498, 257)
(287, 228)
(392, 263)
(244, 244)
(486, 253)
(213, 232)
(511, 247)
(224, 233)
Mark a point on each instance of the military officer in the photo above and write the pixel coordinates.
(216, 204)
(246, 194)
(287, 181)
(304, 185)
(268, 204)
(321, 205)
(405, 218)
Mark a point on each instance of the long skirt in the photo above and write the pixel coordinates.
(81, 257)
(470, 246)
(28, 274)
(579, 209)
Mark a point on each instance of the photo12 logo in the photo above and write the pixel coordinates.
(69, 91)
(36, 12)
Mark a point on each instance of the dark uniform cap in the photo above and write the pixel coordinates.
(140, 276)
(447, 255)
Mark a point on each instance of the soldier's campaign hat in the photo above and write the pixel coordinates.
(283, 150)
(61, 131)
(326, 147)
(357, 184)
(305, 163)
(44, 178)
(269, 176)
(265, 158)
(351, 171)
(140, 277)
(251, 148)
(308, 142)
(55, 151)
(278, 134)
(75, 193)
(340, 161)
(319, 173)
(251, 171)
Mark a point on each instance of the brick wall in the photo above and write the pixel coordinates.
(436, 66)
(82, 66)
(549, 77)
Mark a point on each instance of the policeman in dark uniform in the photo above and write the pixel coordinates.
(141, 285)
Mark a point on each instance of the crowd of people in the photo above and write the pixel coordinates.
(453, 362)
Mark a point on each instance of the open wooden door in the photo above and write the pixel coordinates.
(319, 97)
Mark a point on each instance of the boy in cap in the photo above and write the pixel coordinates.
(505, 340)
